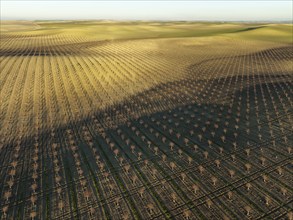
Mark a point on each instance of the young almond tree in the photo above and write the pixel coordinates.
(195, 188)
(248, 210)
(33, 214)
(116, 151)
(248, 167)
(156, 149)
(284, 191)
(248, 186)
(218, 162)
(214, 180)
(10, 183)
(125, 216)
(7, 195)
(206, 154)
(4, 210)
(126, 168)
(134, 179)
(268, 200)
(201, 169)
(187, 213)
(150, 207)
(233, 157)
(61, 205)
(262, 159)
(209, 203)
(280, 170)
(290, 215)
(174, 197)
(141, 192)
(183, 176)
(172, 165)
(230, 194)
(189, 159)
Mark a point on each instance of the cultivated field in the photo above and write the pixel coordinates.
(146, 120)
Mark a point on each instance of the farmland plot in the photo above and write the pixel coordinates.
(173, 127)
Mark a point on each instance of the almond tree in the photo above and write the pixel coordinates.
(183, 176)
(206, 154)
(132, 147)
(146, 162)
(265, 178)
(126, 168)
(139, 155)
(163, 183)
(221, 150)
(154, 171)
(233, 157)
(10, 183)
(125, 216)
(209, 203)
(284, 191)
(248, 186)
(117, 201)
(248, 167)
(12, 173)
(116, 151)
(134, 179)
(4, 210)
(172, 165)
(230, 195)
(92, 211)
(262, 159)
(248, 210)
(156, 150)
(195, 188)
(14, 164)
(232, 173)
(268, 200)
(189, 160)
(201, 169)
(33, 214)
(141, 192)
(34, 187)
(59, 190)
(87, 194)
(121, 159)
(151, 207)
(7, 195)
(247, 151)
(187, 213)
(214, 180)
(106, 175)
(218, 162)
(174, 197)
(280, 170)
(210, 143)
(60, 205)
(200, 137)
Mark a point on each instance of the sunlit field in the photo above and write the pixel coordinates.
(146, 120)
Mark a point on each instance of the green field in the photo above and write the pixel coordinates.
(145, 120)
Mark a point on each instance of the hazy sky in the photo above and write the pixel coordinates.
(147, 10)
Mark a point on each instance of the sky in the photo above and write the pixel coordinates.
(230, 10)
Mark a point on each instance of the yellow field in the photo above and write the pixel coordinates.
(66, 71)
